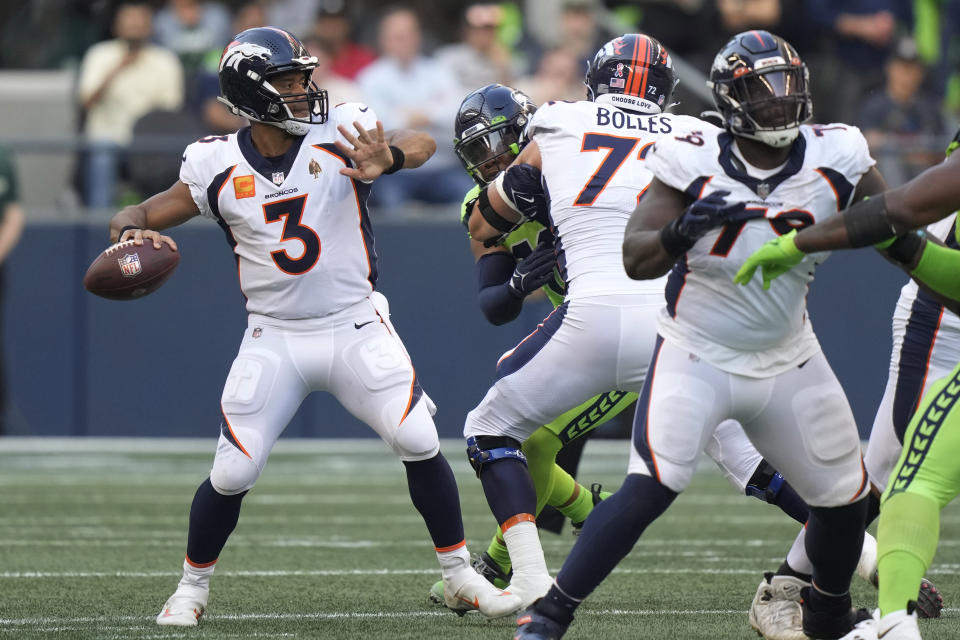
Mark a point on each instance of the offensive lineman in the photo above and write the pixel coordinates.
(291, 198)
(926, 476)
(723, 352)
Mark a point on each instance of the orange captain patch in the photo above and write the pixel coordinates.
(243, 187)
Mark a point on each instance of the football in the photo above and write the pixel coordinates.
(126, 272)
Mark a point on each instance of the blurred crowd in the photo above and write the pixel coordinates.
(147, 81)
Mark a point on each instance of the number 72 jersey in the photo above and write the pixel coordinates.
(300, 231)
(748, 330)
(593, 158)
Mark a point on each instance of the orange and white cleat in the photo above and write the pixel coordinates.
(185, 607)
(468, 591)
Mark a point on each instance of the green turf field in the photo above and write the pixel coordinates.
(93, 532)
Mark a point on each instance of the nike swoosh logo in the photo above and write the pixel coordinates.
(363, 109)
(475, 603)
(362, 324)
(525, 199)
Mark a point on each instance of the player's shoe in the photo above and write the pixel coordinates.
(775, 612)
(900, 625)
(598, 495)
(529, 587)
(491, 570)
(535, 624)
(468, 591)
(436, 593)
(863, 630)
(185, 607)
(822, 625)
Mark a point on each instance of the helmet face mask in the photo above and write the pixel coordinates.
(489, 130)
(249, 66)
(633, 72)
(760, 86)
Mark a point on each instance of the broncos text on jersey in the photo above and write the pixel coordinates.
(300, 231)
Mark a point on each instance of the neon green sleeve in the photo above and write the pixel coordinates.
(939, 269)
(472, 195)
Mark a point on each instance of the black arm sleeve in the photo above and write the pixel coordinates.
(498, 302)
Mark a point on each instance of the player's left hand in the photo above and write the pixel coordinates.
(370, 154)
(774, 258)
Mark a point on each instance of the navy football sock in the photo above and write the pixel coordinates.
(792, 504)
(213, 517)
(834, 541)
(433, 490)
(873, 507)
(610, 532)
(508, 488)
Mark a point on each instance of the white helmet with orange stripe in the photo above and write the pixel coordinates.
(632, 72)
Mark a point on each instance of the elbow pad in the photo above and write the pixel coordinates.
(867, 223)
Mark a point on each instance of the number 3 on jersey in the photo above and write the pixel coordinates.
(291, 211)
(619, 149)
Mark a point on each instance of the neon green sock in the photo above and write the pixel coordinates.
(498, 551)
(906, 542)
(541, 449)
(579, 501)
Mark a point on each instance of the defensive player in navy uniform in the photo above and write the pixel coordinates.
(728, 352)
(290, 195)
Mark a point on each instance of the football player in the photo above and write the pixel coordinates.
(602, 334)
(926, 476)
(727, 352)
(488, 135)
(290, 193)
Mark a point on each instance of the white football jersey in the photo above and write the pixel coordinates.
(748, 330)
(300, 230)
(594, 171)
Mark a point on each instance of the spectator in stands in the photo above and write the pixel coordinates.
(479, 58)
(410, 91)
(338, 88)
(862, 34)
(902, 123)
(559, 76)
(194, 30)
(120, 81)
(11, 226)
(294, 15)
(348, 57)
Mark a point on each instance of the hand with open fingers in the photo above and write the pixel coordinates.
(774, 259)
(534, 271)
(370, 154)
(139, 235)
(706, 214)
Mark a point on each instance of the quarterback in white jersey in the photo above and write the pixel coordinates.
(723, 353)
(290, 193)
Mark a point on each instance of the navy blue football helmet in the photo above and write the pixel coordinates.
(246, 66)
(490, 123)
(761, 87)
(633, 72)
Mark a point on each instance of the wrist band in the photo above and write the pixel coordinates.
(398, 159)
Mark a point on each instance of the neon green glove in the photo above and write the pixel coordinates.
(774, 258)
